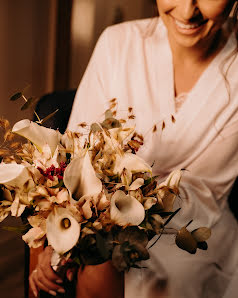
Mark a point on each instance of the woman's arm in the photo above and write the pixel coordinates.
(100, 281)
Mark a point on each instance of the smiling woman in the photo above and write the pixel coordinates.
(195, 34)
(192, 25)
(183, 54)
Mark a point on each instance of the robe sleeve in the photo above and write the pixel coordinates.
(91, 100)
(207, 182)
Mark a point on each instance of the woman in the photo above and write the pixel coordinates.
(179, 75)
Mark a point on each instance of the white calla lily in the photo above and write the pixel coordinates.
(14, 175)
(80, 178)
(62, 230)
(125, 209)
(37, 134)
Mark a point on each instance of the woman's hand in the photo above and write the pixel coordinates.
(43, 277)
(100, 281)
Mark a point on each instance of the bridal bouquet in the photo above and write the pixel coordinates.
(93, 198)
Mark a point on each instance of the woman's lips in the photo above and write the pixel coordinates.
(189, 28)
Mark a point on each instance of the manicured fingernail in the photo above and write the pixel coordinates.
(35, 293)
(70, 276)
(59, 281)
(53, 293)
(62, 291)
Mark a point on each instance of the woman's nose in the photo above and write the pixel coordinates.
(188, 9)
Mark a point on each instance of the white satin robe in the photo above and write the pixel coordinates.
(133, 62)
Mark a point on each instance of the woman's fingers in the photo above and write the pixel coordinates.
(33, 285)
(48, 282)
(38, 281)
(43, 277)
(44, 263)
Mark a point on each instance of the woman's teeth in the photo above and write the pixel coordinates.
(187, 26)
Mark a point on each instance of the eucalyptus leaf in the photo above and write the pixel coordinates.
(185, 241)
(203, 245)
(134, 253)
(16, 96)
(102, 246)
(118, 260)
(28, 104)
(133, 235)
(89, 252)
(201, 234)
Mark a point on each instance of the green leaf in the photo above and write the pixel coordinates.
(201, 234)
(88, 251)
(27, 104)
(133, 235)
(102, 246)
(203, 245)
(185, 241)
(118, 260)
(16, 96)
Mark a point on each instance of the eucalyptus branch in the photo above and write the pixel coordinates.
(37, 116)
